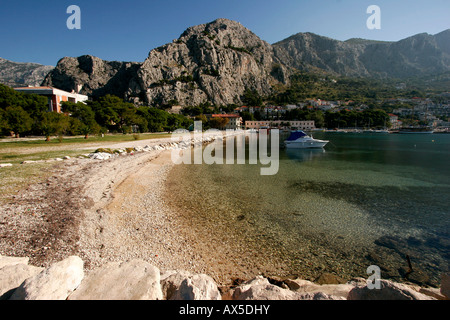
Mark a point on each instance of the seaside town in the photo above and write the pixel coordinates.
(311, 115)
(219, 166)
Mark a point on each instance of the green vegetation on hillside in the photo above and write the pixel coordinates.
(306, 86)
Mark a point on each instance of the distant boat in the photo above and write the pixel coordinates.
(427, 130)
(300, 140)
(380, 131)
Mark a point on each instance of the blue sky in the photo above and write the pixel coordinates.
(35, 31)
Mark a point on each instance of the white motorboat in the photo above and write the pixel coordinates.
(300, 140)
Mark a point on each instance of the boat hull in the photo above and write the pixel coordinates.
(307, 144)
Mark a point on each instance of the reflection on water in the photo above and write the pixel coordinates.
(364, 200)
(304, 154)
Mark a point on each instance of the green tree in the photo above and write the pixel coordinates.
(18, 120)
(85, 115)
(3, 123)
(33, 104)
(114, 114)
(53, 123)
(252, 98)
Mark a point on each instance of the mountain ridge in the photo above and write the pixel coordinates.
(219, 61)
(418, 54)
(16, 74)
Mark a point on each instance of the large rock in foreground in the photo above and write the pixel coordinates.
(261, 289)
(12, 276)
(138, 280)
(10, 261)
(389, 291)
(197, 287)
(134, 280)
(54, 283)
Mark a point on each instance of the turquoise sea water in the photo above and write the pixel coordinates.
(366, 199)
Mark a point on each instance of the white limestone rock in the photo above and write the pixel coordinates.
(10, 261)
(53, 283)
(12, 276)
(197, 287)
(389, 291)
(304, 286)
(133, 280)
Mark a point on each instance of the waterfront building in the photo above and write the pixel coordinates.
(280, 124)
(55, 96)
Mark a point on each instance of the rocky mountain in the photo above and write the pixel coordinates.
(220, 60)
(213, 62)
(16, 74)
(96, 76)
(419, 55)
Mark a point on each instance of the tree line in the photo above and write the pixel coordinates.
(27, 114)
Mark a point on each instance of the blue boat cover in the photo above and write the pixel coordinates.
(296, 135)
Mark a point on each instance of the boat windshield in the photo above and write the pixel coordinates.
(296, 135)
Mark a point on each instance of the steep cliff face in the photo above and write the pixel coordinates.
(213, 62)
(422, 54)
(96, 76)
(16, 74)
(218, 61)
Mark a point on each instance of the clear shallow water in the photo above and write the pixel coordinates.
(368, 199)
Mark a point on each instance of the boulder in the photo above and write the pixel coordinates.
(28, 162)
(197, 287)
(304, 286)
(260, 289)
(329, 278)
(12, 276)
(133, 280)
(53, 283)
(100, 156)
(5, 165)
(171, 282)
(389, 291)
(433, 292)
(10, 261)
(445, 285)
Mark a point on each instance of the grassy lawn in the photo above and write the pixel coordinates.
(80, 140)
(17, 177)
(17, 151)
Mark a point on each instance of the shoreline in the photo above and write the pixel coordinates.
(102, 211)
(131, 221)
(112, 211)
